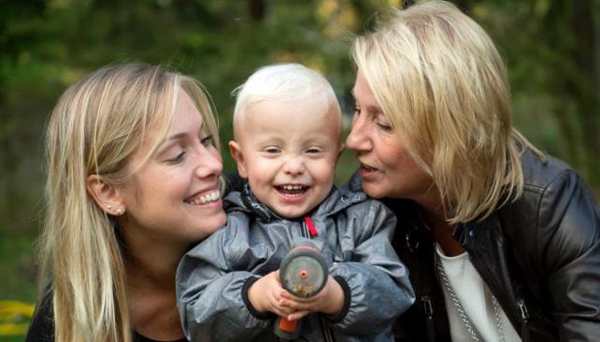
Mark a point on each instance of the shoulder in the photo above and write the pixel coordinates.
(399, 207)
(41, 328)
(556, 217)
(538, 175)
(350, 200)
(553, 188)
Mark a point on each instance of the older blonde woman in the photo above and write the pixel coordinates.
(502, 243)
(133, 180)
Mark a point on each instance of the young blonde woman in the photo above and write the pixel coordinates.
(502, 242)
(133, 179)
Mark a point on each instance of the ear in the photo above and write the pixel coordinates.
(238, 156)
(106, 196)
(342, 148)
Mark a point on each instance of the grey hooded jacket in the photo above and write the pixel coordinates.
(213, 278)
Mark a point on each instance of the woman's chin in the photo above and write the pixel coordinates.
(374, 190)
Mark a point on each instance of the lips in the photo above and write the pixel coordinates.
(292, 189)
(367, 168)
(204, 198)
(366, 171)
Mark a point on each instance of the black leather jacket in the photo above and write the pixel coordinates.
(540, 257)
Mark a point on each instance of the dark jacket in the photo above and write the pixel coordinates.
(41, 328)
(213, 278)
(539, 255)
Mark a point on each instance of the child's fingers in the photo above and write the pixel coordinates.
(296, 306)
(289, 296)
(297, 315)
(281, 311)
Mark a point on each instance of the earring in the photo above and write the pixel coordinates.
(110, 207)
(120, 211)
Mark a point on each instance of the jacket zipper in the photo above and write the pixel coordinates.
(525, 320)
(428, 309)
(326, 330)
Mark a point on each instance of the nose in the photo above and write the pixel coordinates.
(209, 163)
(293, 165)
(359, 138)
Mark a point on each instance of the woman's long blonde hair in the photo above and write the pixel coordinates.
(96, 125)
(443, 85)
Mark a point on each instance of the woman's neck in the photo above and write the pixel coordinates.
(150, 267)
(435, 216)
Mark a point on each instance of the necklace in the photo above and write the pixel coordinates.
(463, 316)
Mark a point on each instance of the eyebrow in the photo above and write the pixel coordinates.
(180, 135)
(375, 109)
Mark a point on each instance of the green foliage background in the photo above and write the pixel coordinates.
(551, 47)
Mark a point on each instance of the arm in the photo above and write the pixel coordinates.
(212, 284)
(569, 250)
(375, 282)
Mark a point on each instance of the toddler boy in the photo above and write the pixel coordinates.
(288, 131)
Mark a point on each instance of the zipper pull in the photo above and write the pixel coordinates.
(525, 317)
(428, 309)
(312, 230)
(524, 312)
(427, 306)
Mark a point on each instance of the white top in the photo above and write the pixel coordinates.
(476, 300)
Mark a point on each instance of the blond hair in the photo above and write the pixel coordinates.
(285, 82)
(444, 87)
(95, 127)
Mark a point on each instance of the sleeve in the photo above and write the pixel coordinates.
(376, 284)
(212, 283)
(570, 256)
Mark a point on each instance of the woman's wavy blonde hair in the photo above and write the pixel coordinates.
(444, 87)
(95, 127)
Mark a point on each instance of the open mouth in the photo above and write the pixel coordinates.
(210, 197)
(367, 168)
(292, 189)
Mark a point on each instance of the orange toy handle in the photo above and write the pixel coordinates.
(287, 325)
(287, 330)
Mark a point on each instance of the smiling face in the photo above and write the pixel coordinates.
(288, 152)
(174, 195)
(386, 167)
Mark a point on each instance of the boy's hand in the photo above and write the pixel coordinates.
(266, 293)
(330, 301)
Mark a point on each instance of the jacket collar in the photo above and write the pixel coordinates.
(337, 200)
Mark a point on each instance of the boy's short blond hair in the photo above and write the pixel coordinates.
(287, 83)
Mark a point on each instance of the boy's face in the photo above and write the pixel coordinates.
(288, 153)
